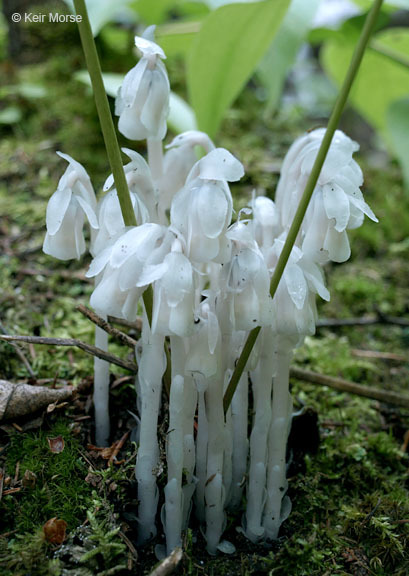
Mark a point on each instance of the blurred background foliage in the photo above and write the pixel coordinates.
(295, 54)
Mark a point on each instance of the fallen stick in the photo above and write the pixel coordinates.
(351, 387)
(72, 342)
(137, 325)
(374, 354)
(362, 321)
(20, 354)
(106, 326)
(169, 564)
(17, 400)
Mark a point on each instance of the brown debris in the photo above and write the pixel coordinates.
(169, 564)
(56, 444)
(54, 530)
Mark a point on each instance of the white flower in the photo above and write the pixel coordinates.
(142, 103)
(294, 301)
(247, 278)
(178, 161)
(202, 209)
(265, 222)
(132, 262)
(67, 208)
(337, 203)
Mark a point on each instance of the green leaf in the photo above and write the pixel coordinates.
(397, 118)
(283, 50)
(225, 53)
(100, 12)
(380, 81)
(176, 37)
(181, 116)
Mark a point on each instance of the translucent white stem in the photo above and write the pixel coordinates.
(201, 449)
(214, 491)
(261, 379)
(239, 411)
(151, 368)
(189, 456)
(278, 505)
(174, 456)
(101, 391)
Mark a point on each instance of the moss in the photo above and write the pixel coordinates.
(60, 489)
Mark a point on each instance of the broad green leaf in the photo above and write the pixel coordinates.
(380, 80)
(100, 12)
(388, 5)
(153, 11)
(397, 118)
(177, 37)
(283, 50)
(225, 53)
(181, 116)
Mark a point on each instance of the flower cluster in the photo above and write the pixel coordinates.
(210, 282)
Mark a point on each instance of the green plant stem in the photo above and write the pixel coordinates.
(104, 113)
(108, 130)
(309, 189)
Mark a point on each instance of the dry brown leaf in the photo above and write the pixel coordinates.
(56, 444)
(54, 530)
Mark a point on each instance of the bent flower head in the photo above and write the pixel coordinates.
(72, 202)
(142, 103)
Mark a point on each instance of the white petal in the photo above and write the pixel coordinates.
(296, 285)
(147, 46)
(178, 279)
(151, 273)
(219, 164)
(156, 107)
(99, 262)
(363, 206)
(211, 206)
(89, 212)
(337, 245)
(56, 209)
(140, 239)
(336, 205)
(131, 84)
(192, 138)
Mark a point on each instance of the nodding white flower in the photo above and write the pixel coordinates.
(265, 222)
(337, 203)
(67, 208)
(139, 179)
(142, 103)
(294, 302)
(247, 279)
(202, 209)
(178, 161)
(132, 262)
(173, 295)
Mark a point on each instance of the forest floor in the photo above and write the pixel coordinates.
(348, 480)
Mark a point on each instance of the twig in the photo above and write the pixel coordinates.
(69, 274)
(114, 332)
(362, 321)
(380, 355)
(351, 387)
(169, 564)
(129, 545)
(137, 325)
(20, 354)
(93, 350)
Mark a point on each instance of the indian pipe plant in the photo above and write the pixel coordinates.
(229, 302)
